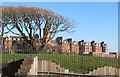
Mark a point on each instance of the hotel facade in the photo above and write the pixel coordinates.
(60, 45)
(80, 47)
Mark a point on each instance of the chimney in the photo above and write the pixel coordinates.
(69, 40)
(59, 40)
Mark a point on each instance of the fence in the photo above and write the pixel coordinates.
(44, 67)
(53, 62)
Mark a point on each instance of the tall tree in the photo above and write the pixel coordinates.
(29, 21)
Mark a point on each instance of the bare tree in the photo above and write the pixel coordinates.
(29, 21)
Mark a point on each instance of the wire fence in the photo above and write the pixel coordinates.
(77, 63)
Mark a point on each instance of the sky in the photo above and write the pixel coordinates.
(94, 20)
(59, 0)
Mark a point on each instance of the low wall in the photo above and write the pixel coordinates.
(48, 66)
(105, 71)
(11, 68)
(34, 67)
(44, 66)
(41, 67)
(104, 55)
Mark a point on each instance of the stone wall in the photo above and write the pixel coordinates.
(48, 66)
(106, 70)
(42, 67)
(11, 68)
(34, 67)
(25, 67)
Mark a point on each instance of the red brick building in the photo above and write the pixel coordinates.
(67, 46)
(60, 45)
(8, 41)
(85, 47)
(7, 44)
(75, 47)
(90, 47)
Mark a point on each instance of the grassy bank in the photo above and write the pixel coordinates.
(76, 63)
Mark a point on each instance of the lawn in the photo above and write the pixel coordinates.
(76, 63)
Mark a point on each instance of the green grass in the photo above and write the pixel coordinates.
(13, 57)
(76, 63)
